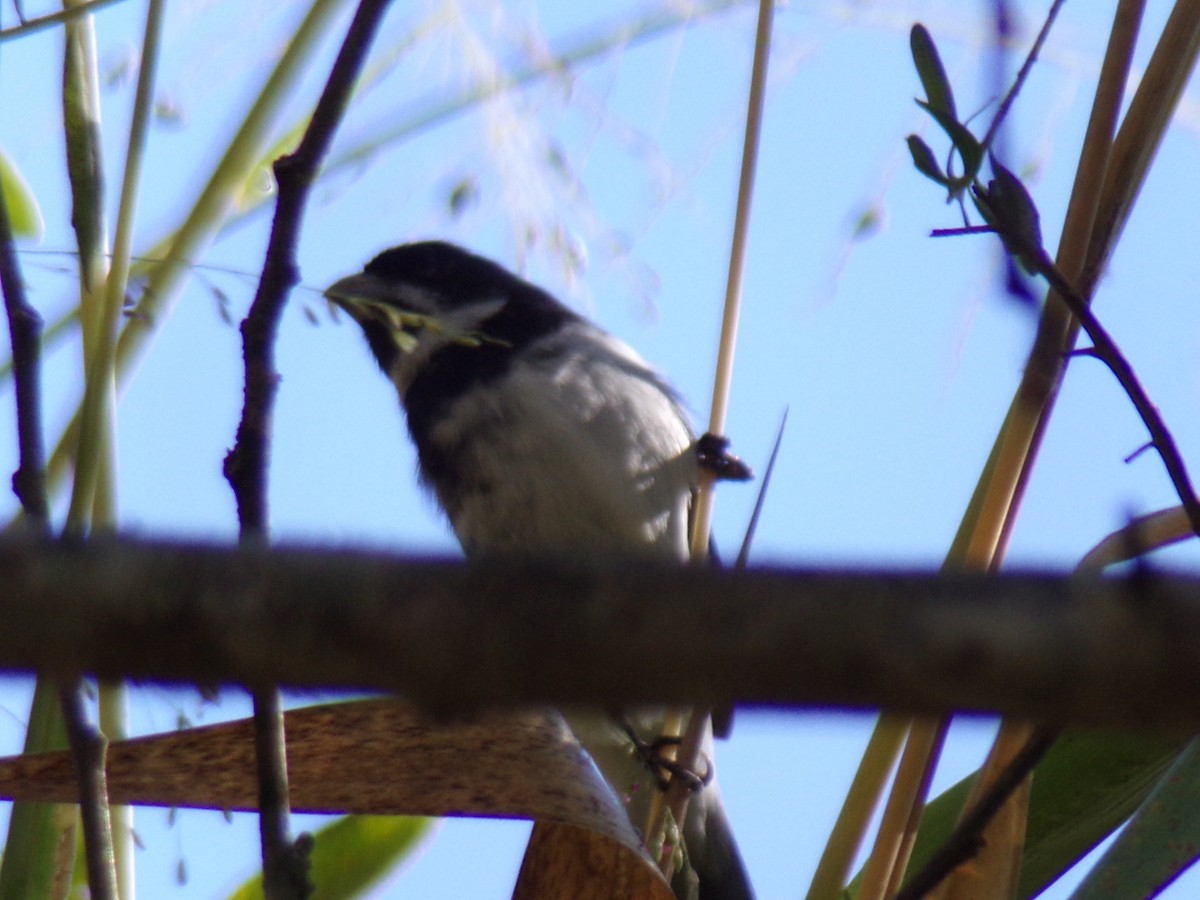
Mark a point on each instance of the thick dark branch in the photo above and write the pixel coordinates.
(450, 636)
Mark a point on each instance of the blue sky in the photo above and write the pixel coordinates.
(895, 354)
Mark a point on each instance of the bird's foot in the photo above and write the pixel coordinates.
(664, 767)
(712, 452)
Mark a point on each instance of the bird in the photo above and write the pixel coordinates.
(538, 432)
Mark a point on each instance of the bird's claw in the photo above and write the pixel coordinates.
(712, 452)
(664, 768)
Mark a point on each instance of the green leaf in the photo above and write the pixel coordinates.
(351, 853)
(925, 161)
(1083, 790)
(964, 142)
(24, 215)
(81, 128)
(1161, 840)
(932, 73)
(1087, 785)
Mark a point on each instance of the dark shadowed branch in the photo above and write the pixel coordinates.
(1045, 647)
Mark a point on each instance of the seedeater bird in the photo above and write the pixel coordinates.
(539, 432)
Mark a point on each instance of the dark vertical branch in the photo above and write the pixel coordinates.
(284, 863)
(25, 329)
(246, 464)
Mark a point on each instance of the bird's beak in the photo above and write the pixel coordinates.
(355, 288)
(368, 299)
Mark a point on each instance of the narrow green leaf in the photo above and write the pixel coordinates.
(40, 849)
(969, 149)
(353, 852)
(925, 161)
(1084, 789)
(1161, 840)
(81, 130)
(24, 214)
(932, 73)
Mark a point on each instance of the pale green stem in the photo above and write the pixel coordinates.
(845, 840)
(101, 391)
(93, 461)
(699, 726)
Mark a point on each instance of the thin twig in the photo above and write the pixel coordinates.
(246, 464)
(889, 857)
(1026, 68)
(88, 747)
(965, 841)
(29, 26)
(285, 864)
(1106, 350)
(998, 498)
(981, 537)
